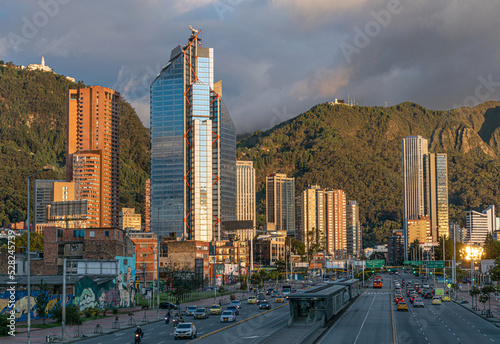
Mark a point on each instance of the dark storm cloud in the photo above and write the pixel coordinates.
(277, 58)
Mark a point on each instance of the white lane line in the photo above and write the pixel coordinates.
(366, 316)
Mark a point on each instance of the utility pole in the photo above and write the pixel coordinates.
(63, 302)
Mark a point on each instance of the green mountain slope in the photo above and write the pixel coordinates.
(358, 149)
(33, 134)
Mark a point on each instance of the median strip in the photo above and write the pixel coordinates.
(237, 323)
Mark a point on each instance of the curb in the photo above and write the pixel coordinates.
(237, 323)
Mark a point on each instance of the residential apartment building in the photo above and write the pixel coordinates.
(353, 230)
(420, 229)
(92, 161)
(245, 191)
(436, 187)
(129, 220)
(193, 147)
(280, 202)
(145, 255)
(479, 225)
(395, 250)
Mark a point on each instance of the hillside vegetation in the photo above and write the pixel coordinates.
(33, 134)
(358, 149)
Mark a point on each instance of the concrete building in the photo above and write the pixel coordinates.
(479, 225)
(47, 191)
(280, 202)
(420, 229)
(245, 191)
(353, 230)
(232, 252)
(436, 188)
(268, 249)
(395, 249)
(189, 255)
(425, 187)
(456, 231)
(193, 147)
(130, 220)
(92, 161)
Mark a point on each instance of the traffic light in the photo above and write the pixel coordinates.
(431, 272)
(373, 271)
(403, 268)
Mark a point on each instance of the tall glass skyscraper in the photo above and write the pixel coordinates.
(193, 147)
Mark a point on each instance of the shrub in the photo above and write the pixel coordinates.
(4, 321)
(105, 310)
(115, 311)
(87, 312)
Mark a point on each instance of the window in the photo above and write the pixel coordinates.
(74, 247)
(106, 233)
(92, 234)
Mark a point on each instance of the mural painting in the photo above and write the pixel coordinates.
(115, 293)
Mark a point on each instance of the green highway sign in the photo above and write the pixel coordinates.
(435, 264)
(407, 262)
(377, 263)
(417, 262)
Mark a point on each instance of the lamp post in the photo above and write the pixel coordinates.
(472, 252)
(46, 168)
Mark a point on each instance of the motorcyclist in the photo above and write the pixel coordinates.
(167, 317)
(181, 319)
(139, 331)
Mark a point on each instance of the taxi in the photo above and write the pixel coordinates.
(446, 298)
(251, 299)
(402, 306)
(436, 300)
(215, 310)
(279, 299)
(400, 300)
(397, 296)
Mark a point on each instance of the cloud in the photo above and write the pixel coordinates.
(322, 83)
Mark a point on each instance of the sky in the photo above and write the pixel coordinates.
(276, 58)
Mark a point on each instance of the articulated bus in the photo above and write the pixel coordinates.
(377, 282)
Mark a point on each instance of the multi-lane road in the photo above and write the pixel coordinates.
(259, 323)
(373, 318)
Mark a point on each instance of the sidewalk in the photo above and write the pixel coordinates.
(108, 324)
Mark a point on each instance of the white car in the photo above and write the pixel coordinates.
(191, 310)
(185, 330)
(236, 303)
(227, 316)
(425, 286)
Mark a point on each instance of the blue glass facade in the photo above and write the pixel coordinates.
(193, 148)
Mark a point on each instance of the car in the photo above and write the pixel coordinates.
(236, 303)
(190, 310)
(436, 300)
(413, 297)
(425, 286)
(251, 299)
(215, 310)
(429, 294)
(274, 293)
(185, 330)
(269, 291)
(201, 313)
(400, 299)
(167, 305)
(397, 296)
(261, 298)
(279, 299)
(410, 291)
(402, 306)
(265, 305)
(446, 298)
(228, 316)
(234, 309)
(418, 303)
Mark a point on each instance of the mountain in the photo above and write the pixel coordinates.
(33, 134)
(358, 149)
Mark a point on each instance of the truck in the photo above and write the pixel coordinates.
(287, 289)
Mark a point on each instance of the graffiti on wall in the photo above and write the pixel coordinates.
(21, 305)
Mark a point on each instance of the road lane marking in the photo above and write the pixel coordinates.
(363, 323)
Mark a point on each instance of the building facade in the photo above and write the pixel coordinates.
(395, 250)
(479, 225)
(280, 202)
(245, 191)
(353, 230)
(193, 147)
(47, 191)
(145, 255)
(147, 208)
(436, 188)
(92, 160)
(420, 229)
(130, 220)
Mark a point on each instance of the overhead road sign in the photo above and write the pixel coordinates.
(435, 264)
(377, 263)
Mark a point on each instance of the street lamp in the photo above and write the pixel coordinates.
(46, 168)
(471, 253)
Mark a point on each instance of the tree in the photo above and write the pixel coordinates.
(36, 242)
(491, 247)
(474, 292)
(73, 316)
(42, 300)
(486, 292)
(495, 271)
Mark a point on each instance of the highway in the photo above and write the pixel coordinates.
(374, 318)
(246, 332)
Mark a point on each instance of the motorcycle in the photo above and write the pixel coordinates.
(137, 338)
(167, 319)
(176, 322)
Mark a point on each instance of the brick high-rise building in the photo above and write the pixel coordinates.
(92, 161)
